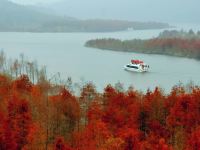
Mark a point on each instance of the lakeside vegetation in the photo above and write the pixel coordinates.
(173, 43)
(37, 113)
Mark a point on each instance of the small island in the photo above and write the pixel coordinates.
(173, 43)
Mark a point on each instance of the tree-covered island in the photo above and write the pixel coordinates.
(173, 43)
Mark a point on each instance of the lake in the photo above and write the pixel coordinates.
(65, 53)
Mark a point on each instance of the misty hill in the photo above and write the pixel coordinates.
(15, 17)
(97, 25)
(141, 10)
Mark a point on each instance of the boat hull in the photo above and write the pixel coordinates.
(135, 70)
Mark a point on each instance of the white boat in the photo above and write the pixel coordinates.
(137, 66)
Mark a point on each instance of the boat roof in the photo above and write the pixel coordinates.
(137, 61)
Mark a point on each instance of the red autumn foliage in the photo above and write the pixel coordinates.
(93, 137)
(185, 47)
(121, 106)
(131, 138)
(34, 117)
(95, 112)
(185, 112)
(22, 84)
(17, 124)
(194, 140)
(61, 145)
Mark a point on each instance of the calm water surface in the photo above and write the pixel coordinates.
(65, 53)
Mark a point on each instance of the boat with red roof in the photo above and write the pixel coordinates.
(137, 66)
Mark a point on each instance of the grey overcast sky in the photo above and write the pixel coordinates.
(34, 1)
(139, 10)
(159, 2)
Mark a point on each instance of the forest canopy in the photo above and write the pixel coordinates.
(40, 114)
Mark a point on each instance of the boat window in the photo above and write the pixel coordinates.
(132, 66)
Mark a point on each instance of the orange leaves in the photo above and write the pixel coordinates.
(88, 92)
(122, 110)
(185, 112)
(131, 138)
(158, 129)
(17, 125)
(155, 143)
(1, 130)
(114, 144)
(37, 115)
(175, 46)
(5, 86)
(61, 145)
(66, 103)
(94, 137)
(35, 138)
(36, 92)
(109, 92)
(22, 84)
(194, 140)
(65, 94)
(178, 43)
(64, 113)
(162, 145)
(70, 106)
(95, 112)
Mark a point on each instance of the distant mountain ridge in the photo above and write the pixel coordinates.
(14, 17)
(171, 11)
(19, 18)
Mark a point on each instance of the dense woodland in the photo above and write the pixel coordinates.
(37, 114)
(173, 43)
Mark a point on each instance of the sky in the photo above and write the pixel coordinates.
(30, 2)
(137, 10)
